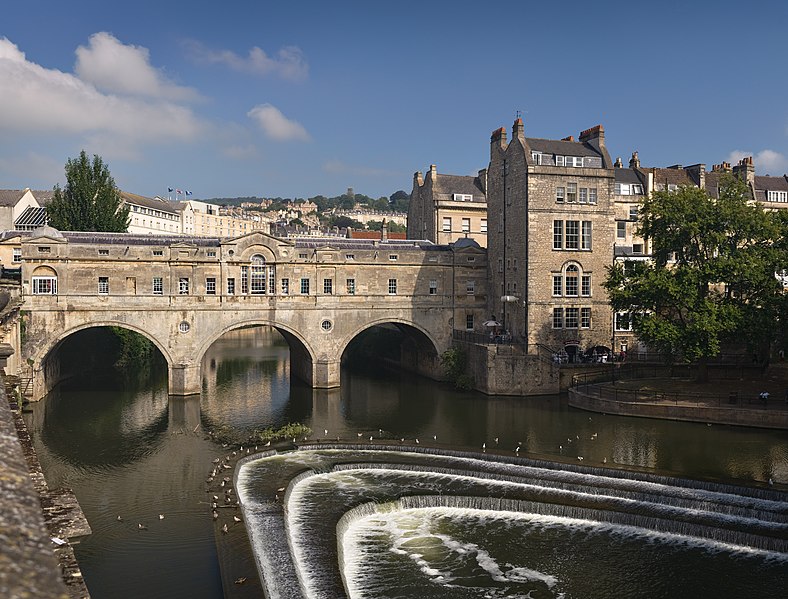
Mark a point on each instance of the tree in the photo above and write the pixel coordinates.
(711, 279)
(90, 201)
(399, 201)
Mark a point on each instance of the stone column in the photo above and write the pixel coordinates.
(184, 379)
(326, 374)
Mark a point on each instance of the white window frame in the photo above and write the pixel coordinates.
(230, 285)
(470, 287)
(183, 286)
(560, 195)
(305, 286)
(571, 193)
(17, 255)
(592, 195)
(433, 286)
(586, 235)
(466, 225)
(469, 322)
(285, 286)
(462, 197)
(44, 285)
(777, 196)
(103, 285)
(350, 286)
(392, 287)
(328, 286)
(621, 230)
(446, 224)
(572, 318)
(210, 286)
(483, 226)
(585, 318)
(558, 318)
(157, 286)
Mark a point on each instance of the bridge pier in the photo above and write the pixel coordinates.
(326, 374)
(184, 379)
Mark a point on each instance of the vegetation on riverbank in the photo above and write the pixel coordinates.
(231, 436)
(454, 362)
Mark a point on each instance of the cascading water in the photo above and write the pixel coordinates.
(392, 521)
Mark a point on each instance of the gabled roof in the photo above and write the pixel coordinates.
(627, 175)
(153, 203)
(43, 196)
(561, 147)
(9, 197)
(767, 183)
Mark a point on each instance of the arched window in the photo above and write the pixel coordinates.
(44, 281)
(571, 280)
(258, 275)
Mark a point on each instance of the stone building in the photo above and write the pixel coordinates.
(552, 219)
(155, 216)
(445, 208)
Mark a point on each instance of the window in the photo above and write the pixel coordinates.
(328, 286)
(44, 285)
(777, 196)
(636, 189)
(571, 193)
(560, 194)
(585, 285)
(463, 197)
(558, 285)
(585, 241)
(258, 275)
(583, 195)
(447, 224)
(637, 248)
(571, 318)
(470, 287)
(393, 257)
(621, 230)
(536, 157)
(210, 286)
(633, 212)
(103, 252)
(285, 286)
(483, 226)
(350, 285)
(183, 286)
(158, 285)
(592, 195)
(304, 286)
(577, 161)
(500, 264)
(244, 280)
(184, 327)
(433, 286)
(572, 241)
(622, 189)
(585, 318)
(469, 322)
(392, 286)
(558, 318)
(303, 256)
(158, 252)
(17, 255)
(211, 254)
(350, 256)
(326, 325)
(43, 249)
(570, 284)
(558, 235)
(560, 160)
(623, 321)
(231, 286)
(103, 285)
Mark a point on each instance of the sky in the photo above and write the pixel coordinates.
(296, 99)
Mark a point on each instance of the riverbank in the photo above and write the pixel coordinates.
(36, 523)
(737, 402)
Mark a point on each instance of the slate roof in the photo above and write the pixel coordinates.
(9, 197)
(374, 235)
(43, 196)
(670, 176)
(451, 184)
(627, 175)
(561, 147)
(766, 183)
(138, 239)
(153, 203)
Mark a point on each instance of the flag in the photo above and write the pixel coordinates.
(188, 193)
(169, 190)
(178, 191)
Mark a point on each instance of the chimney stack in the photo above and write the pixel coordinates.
(595, 137)
(483, 179)
(745, 170)
(518, 128)
(619, 163)
(634, 162)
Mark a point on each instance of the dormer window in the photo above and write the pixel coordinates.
(463, 197)
(777, 196)
(575, 161)
(536, 157)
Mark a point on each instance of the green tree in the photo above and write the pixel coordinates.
(399, 201)
(90, 201)
(711, 279)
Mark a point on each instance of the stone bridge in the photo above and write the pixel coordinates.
(183, 293)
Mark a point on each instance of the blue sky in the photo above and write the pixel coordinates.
(296, 99)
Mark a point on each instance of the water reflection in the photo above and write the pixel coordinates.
(126, 450)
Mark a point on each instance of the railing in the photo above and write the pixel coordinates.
(485, 338)
(599, 385)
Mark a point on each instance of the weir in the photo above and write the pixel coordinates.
(333, 488)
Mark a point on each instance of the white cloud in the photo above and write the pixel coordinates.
(125, 69)
(337, 167)
(31, 169)
(289, 62)
(40, 100)
(767, 162)
(240, 152)
(275, 125)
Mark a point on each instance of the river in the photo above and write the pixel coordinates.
(134, 458)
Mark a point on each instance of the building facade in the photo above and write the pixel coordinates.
(445, 208)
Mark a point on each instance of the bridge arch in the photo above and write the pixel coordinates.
(47, 372)
(302, 356)
(420, 352)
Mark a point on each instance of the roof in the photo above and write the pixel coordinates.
(627, 175)
(373, 235)
(154, 203)
(466, 184)
(137, 239)
(670, 176)
(32, 217)
(43, 196)
(561, 147)
(767, 183)
(9, 197)
(339, 243)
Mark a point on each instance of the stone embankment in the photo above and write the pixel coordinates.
(36, 523)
